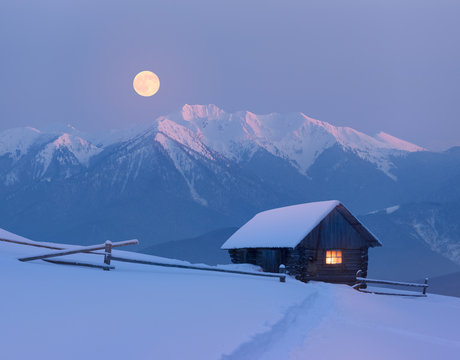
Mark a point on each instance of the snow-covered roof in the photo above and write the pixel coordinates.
(286, 227)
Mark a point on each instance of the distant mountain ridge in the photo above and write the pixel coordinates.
(200, 169)
(294, 136)
(207, 128)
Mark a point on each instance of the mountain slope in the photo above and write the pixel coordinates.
(446, 285)
(201, 249)
(419, 240)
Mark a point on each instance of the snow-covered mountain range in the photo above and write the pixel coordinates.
(294, 137)
(201, 169)
(212, 133)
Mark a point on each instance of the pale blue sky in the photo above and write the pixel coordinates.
(371, 64)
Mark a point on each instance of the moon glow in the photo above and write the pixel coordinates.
(146, 83)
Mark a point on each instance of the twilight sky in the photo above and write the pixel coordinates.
(374, 65)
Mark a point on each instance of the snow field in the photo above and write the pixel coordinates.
(146, 312)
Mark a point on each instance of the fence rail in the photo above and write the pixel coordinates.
(79, 263)
(83, 249)
(34, 244)
(281, 276)
(362, 284)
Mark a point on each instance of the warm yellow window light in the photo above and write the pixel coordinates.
(333, 256)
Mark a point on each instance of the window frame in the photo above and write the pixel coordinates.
(331, 251)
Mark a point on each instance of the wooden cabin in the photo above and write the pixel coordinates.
(319, 241)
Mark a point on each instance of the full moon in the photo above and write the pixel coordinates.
(146, 83)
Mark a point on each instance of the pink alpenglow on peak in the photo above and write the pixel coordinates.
(398, 143)
(81, 149)
(293, 136)
(210, 111)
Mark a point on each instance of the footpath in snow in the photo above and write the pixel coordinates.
(147, 312)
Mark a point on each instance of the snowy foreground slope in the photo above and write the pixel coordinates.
(146, 312)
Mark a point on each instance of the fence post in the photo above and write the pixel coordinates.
(282, 270)
(108, 253)
(425, 287)
(361, 283)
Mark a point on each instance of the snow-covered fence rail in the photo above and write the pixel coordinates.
(83, 249)
(32, 243)
(362, 284)
(107, 247)
(281, 276)
(80, 263)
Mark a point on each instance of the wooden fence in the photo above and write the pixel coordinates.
(108, 245)
(362, 282)
(35, 244)
(281, 275)
(108, 257)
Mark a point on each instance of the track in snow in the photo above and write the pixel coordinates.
(288, 333)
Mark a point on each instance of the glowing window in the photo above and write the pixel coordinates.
(333, 256)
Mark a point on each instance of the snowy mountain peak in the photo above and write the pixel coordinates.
(79, 148)
(293, 136)
(64, 140)
(182, 135)
(16, 142)
(83, 150)
(75, 143)
(210, 112)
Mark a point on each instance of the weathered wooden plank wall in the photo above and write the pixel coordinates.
(334, 232)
